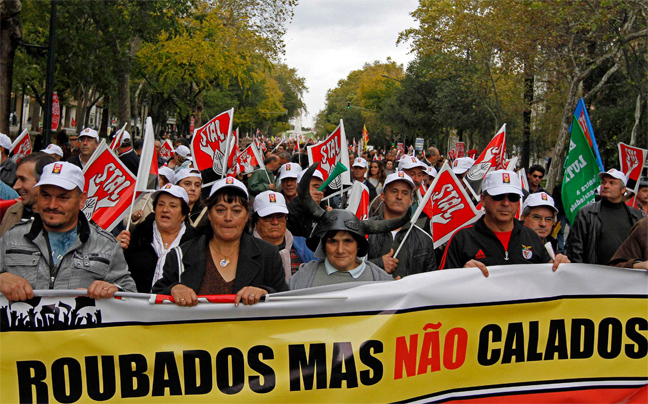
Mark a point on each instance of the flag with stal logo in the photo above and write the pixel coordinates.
(208, 147)
(449, 206)
(117, 139)
(492, 158)
(248, 159)
(166, 150)
(330, 152)
(110, 187)
(359, 200)
(632, 160)
(21, 147)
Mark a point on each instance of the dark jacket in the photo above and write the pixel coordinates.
(140, 255)
(478, 242)
(300, 222)
(584, 233)
(259, 264)
(635, 248)
(418, 249)
(131, 160)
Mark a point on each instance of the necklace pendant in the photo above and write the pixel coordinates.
(224, 262)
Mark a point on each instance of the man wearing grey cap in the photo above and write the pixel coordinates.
(59, 249)
(610, 217)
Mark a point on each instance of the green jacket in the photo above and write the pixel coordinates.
(258, 181)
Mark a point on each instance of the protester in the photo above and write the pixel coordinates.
(67, 251)
(432, 173)
(7, 165)
(264, 179)
(7, 193)
(300, 222)
(158, 157)
(389, 167)
(359, 170)
(224, 259)
(600, 227)
(633, 253)
(144, 207)
(88, 143)
(432, 157)
(161, 231)
(461, 166)
(497, 238)
(127, 155)
(417, 253)
(269, 223)
(74, 147)
(339, 239)
(288, 174)
(414, 168)
(191, 181)
(377, 175)
(54, 151)
(534, 177)
(181, 158)
(28, 173)
(642, 197)
(539, 214)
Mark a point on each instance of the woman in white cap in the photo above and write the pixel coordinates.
(191, 181)
(224, 259)
(145, 206)
(161, 231)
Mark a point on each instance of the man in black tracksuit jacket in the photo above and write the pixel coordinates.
(497, 238)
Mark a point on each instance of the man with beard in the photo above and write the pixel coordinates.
(59, 249)
(28, 173)
(88, 143)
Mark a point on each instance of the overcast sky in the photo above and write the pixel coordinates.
(328, 39)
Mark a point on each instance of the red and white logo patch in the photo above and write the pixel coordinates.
(543, 196)
(229, 180)
(57, 168)
(272, 198)
(506, 178)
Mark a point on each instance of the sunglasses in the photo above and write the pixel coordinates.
(510, 197)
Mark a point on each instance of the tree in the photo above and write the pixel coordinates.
(10, 36)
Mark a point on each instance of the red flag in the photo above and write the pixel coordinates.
(21, 147)
(359, 200)
(192, 125)
(73, 122)
(492, 158)
(329, 153)
(166, 150)
(450, 206)
(208, 147)
(460, 149)
(247, 159)
(117, 139)
(110, 188)
(632, 162)
(56, 111)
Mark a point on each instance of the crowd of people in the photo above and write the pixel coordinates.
(273, 230)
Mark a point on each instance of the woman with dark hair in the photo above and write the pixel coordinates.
(224, 259)
(376, 175)
(161, 231)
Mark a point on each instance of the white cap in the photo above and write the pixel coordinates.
(172, 190)
(125, 136)
(53, 149)
(359, 162)
(316, 174)
(615, 174)
(289, 170)
(432, 172)
(539, 199)
(500, 182)
(399, 176)
(409, 162)
(462, 164)
(183, 151)
(168, 173)
(228, 182)
(5, 141)
(89, 132)
(62, 174)
(269, 203)
(186, 173)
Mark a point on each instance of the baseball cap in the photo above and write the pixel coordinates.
(399, 176)
(126, 136)
(183, 151)
(409, 162)
(173, 190)
(62, 174)
(5, 141)
(500, 182)
(359, 162)
(168, 173)
(612, 172)
(228, 182)
(186, 173)
(316, 174)
(539, 199)
(53, 149)
(89, 132)
(269, 203)
(462, 164)
(432, 172)
(289, 170)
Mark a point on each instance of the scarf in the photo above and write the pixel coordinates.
(161, 252)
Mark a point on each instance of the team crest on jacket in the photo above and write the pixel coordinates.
(526, 252)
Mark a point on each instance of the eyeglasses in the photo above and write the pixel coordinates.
(281, 217)
(539, 218)
(538, 176)
(510, 197)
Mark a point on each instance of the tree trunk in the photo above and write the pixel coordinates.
(10, 36)
(526, 116)
(105, 117)
(637, 124)
(123, 91)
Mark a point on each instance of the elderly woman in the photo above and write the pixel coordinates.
(339, 242)
(161, 231)
(224, 259)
